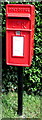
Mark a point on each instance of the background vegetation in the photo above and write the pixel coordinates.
(32, 75)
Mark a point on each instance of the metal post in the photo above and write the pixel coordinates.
(20, 89)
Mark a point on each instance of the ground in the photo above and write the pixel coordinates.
(31, 105)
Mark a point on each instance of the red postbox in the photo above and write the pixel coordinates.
(20, 20)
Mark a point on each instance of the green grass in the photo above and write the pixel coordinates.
(31, 105)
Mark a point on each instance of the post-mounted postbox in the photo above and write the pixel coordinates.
(20, 21)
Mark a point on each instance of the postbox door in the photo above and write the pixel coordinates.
(18, 47)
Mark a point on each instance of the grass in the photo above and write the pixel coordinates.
(31, 106)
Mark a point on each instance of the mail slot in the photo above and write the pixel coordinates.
(20, 21)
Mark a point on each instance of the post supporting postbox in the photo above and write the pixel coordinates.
(20, 90)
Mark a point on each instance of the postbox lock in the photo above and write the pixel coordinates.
(17, 32)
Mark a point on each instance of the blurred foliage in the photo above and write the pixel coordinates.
(32, 74)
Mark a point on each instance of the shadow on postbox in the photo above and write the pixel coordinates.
(20, 20)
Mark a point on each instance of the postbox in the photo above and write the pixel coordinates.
(20, 20)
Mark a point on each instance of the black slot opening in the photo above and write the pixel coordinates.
(19, 18)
